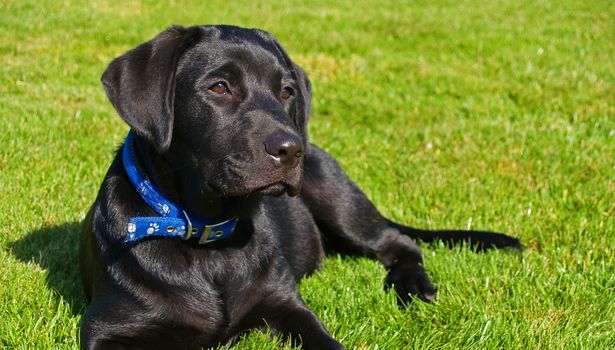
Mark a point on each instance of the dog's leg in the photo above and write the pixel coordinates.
(345, 215)
(96, 335)
(113, 324)
(285, 312)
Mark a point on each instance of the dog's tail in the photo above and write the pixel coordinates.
(479, 240)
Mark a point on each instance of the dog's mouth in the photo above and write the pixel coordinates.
(273, 189)
(277, 189)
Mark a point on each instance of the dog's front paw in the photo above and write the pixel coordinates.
(408, 279)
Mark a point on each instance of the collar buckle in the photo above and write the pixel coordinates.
(189, 229)
(212, 233)
(208, 232)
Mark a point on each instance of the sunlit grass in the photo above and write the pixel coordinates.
(489, 115)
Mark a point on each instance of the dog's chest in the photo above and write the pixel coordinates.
(211, 288)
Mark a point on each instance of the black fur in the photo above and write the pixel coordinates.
(206, 146)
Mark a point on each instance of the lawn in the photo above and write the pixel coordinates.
(456, 114)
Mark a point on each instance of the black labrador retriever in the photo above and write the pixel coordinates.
(216, 204)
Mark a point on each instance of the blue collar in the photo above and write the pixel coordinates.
(173, 221)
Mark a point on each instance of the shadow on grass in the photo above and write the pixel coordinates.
(56, 249)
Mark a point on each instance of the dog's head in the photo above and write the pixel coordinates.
(223, 105)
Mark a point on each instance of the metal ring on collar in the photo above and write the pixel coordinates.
(189, 228)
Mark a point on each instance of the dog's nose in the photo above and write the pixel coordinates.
(285, 148)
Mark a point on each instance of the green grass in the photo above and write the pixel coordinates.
(485, 114)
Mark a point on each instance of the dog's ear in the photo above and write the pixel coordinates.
(303, 107)
(141, 84)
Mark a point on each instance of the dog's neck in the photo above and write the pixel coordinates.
(177, 184)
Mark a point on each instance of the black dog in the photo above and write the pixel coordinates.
(218, 117)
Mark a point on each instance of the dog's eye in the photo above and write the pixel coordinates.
(220, 88)
(286, 92)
